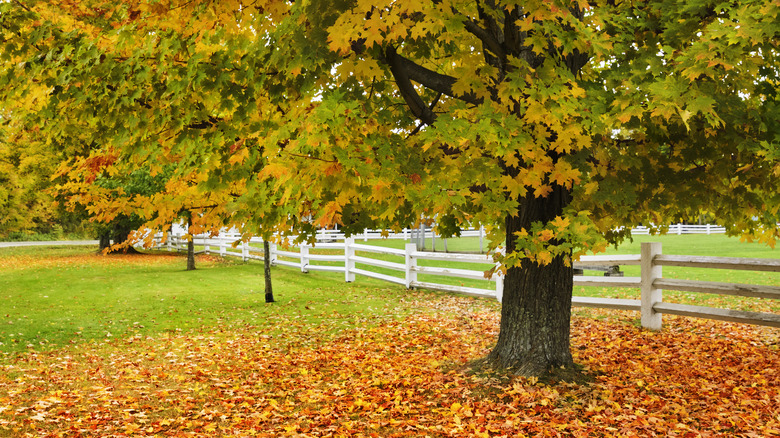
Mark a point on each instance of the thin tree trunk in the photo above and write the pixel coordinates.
(536, 305)
(269, 292)
(191, 254)
(105, 240)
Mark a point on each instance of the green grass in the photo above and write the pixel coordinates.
(54, 296)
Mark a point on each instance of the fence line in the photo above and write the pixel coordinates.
(651, 282)
(684, 229)
(425, 233)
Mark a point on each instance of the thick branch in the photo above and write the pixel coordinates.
(488, 40)
(428, 78)
(420, 126)
(204, 124)
(413, 100)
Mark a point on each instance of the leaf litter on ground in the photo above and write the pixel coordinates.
(380, 376)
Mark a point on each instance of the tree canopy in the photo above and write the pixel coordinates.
(558, 125)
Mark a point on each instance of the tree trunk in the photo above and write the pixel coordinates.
(120, 234)
(191, 254)
(269, 292)
(536, 305)
(105, 240)
(117, 234)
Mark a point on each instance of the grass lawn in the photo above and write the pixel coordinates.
(135, 346)
(58, 296)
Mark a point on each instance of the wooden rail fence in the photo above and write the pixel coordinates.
(353, 259)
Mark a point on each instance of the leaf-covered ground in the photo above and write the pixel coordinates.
(381, 376)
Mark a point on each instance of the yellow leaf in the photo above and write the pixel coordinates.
(239, 157)
(513, 186)
(591, 187)
(339, 42)
(330, 215)
(545, 235)
(542, 191)
(564, 175)
(511, 159)
(544, 258)
(560, 223)
(367, 68)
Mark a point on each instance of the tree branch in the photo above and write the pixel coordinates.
(409, 70)
(413, 100)
(489, 42)
(419, 127)
(204, 124)
(18, 3)
(308, 157)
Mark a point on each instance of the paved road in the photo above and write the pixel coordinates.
(51, 243)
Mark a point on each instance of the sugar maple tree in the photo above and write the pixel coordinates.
(556, 124)
(26, 167)
(138, 200)
(22, 176)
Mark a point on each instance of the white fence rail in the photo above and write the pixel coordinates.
(426, 233)
(684, 229)
(352, 259)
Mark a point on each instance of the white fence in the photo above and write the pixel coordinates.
(344, 257)
(424, 233)
(684, 229)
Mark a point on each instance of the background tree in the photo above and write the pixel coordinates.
(114, 225)
(27, 205)
(134, 202)
(558, 125)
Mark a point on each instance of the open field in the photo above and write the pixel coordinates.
(63, 295)
(136, 346)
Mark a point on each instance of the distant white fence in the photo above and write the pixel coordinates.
(684, 229)
(425, 233)
(352, 259)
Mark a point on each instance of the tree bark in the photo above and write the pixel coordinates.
(105, 240)
(269, 292)
(536, 305)
(191, 254)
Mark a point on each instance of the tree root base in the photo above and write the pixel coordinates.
(572, 373)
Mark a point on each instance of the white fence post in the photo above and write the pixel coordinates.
(169, 243)
(245, 251)
(274, 256)
(499, 286)
(499, 277)
(349, 262)
(222, 246)
(206, 247)
(304, 258)
(411, 263)
(650, 294)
